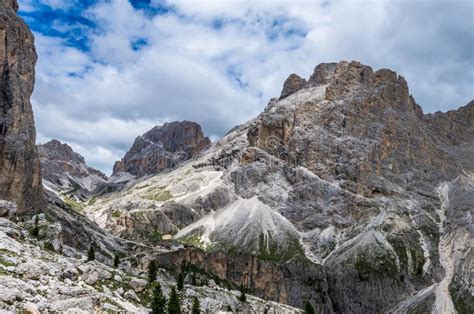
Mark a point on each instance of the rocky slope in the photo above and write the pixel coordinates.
(20, 178)
(163, 147)
(65, 171)
(33, 278)
(343, 171)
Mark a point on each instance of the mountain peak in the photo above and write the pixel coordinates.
(54, 149)
(163, 147)
(63, 169)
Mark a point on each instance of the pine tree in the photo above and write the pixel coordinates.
(152, 271)
(196, 306)
(174, 303)
(35, 230)
(91, 253)
(243, 297)
(158, 304)
(308, 308)
(116, 261)
(193, 279)
(180, 281)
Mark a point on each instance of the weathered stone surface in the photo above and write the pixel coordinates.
(138, 285)
(20, 177)
(29, 270)
(292, 84)
(163, 147)
(7, 209)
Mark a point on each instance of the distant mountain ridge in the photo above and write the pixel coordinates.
(65, 171)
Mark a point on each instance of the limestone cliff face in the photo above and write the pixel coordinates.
(20, 178)
(384, 136)
(163, 147)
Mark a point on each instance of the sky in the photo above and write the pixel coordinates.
(109, 70)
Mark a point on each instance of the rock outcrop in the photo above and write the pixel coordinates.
(20, 177)
(65, 171)
(163, 147)
(292, 84)
(293, 282)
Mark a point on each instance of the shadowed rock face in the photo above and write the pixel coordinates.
(163, 147)
(20, 178)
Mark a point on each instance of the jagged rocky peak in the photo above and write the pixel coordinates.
(292, 84)
(20, 177)
(385, 132)
(56, 150)
(65, 171)
(349, 79)
(64, 160)
(163, 147)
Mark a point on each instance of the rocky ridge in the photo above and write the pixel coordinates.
(65, 171)
(163, 147)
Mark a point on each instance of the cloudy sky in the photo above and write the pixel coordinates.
(109, 70)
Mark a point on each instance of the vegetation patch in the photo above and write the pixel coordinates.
(161, 196)
(76, 206)
(193, 240)
(369, 266)
(116, 214)
(92, 201)
(155, 236)
(271, 250)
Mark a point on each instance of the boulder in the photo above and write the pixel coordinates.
(137, 284)
(29, 270)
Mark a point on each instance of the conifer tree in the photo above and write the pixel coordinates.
(196, 306)
(152, 271)
(91, 253)
(158, 304)
(308, 308)
(243, 297)
(180, 281)
(193, 279)
(116, 261)
(35, 230)
(174, 303)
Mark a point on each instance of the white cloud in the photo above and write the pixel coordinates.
(218, 63)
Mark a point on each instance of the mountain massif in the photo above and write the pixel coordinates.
(342, 195)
